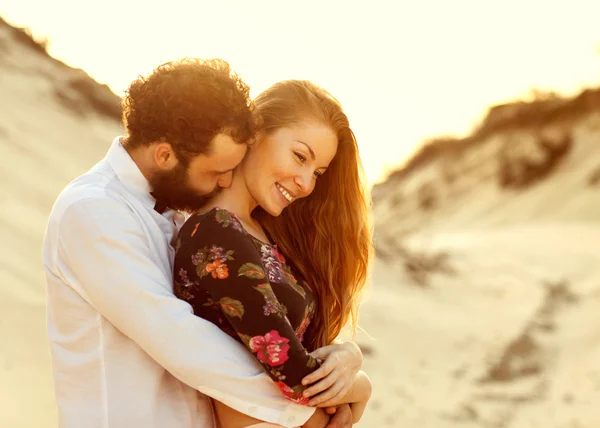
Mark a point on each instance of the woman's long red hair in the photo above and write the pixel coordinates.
(326, 236)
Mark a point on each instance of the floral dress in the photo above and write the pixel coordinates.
(245, 287)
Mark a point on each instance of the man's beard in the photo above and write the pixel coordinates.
(172, 188)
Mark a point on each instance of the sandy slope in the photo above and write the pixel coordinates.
(502, 331)
(44, 144)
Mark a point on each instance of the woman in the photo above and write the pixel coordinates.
(279, 259)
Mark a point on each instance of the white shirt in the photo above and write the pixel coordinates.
(124, 348)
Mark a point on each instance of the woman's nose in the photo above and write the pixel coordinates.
(304, 183)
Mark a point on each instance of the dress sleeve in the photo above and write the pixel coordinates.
(227, 266)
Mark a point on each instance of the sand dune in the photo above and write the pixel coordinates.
(482, 310)
(488, 277)
(45, 143)
(509, 340)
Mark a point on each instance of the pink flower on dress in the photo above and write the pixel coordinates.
(279, 256)
(271, 348)
(291, 395)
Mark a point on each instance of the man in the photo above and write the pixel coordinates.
(125, 352)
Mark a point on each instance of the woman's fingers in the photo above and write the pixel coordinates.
(329, 397)
(325, 369)
(323, 352)
(336, 399)
(320, 386)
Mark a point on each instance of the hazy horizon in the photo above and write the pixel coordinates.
(404, 73)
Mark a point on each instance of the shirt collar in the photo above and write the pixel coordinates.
(129, 173)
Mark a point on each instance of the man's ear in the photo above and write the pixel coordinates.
(258, 137)
(164, 156)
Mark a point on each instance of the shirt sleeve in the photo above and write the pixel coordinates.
(107, 259)
(220, 258)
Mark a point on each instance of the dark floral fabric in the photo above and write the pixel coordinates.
(245, 287)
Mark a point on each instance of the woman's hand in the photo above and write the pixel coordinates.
(358, 397)
(337, 373)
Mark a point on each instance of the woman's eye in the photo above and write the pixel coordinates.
(300, 157)
(318, 174)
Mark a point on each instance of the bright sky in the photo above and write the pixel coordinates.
(403, 70)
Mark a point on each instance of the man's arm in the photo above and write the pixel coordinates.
(320, 419)
(110, 266)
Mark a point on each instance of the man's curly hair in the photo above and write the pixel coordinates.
(187, 103)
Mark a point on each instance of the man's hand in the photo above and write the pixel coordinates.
(319, 419)
(342, 417)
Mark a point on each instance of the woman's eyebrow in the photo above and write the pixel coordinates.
(309, 149)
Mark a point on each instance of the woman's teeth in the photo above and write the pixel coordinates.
(284, 192)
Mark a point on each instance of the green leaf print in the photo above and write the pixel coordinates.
(232, 307)
(311, 363)
(298, 288)
(200, 270)
(272, 306)
(223, 217)
(210, 302)
(292, 282)
(298, 389)
(251, 270)
(245, 338)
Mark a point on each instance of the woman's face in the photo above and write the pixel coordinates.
(285, 165)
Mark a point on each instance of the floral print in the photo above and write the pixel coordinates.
(272, 263)
(271, 348)
(292, 394)
(185, 281)
(183, 285)
(212, 261)
(245, 287)
(217, 269)
(227, 218)
(272, 305)
(308, 314)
